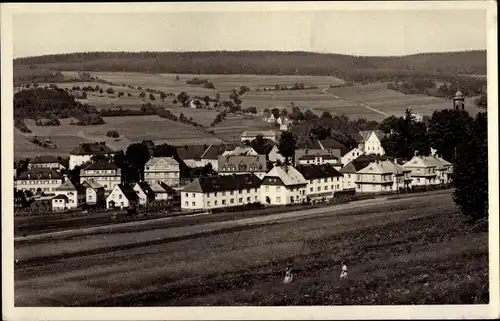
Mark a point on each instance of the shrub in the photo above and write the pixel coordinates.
(113, 133)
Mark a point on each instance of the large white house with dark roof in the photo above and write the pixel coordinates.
(370, 142)
(162, 169)
(221, 191)
(75, 196)
(323, 181)
(44, 180)
(83, 153)
(283, 185)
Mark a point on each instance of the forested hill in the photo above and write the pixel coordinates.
(263, 62)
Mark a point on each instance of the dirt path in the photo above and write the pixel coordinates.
(325, 91)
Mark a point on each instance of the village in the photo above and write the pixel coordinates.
(319, 171)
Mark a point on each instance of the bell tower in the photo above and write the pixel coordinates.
(458, 100)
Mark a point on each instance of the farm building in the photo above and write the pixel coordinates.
(283, 185)
(84, 152)
(323, 181)
(122, 196)
(162, 169)
(106, 174)
(250, 135)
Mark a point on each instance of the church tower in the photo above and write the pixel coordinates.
(458, 101)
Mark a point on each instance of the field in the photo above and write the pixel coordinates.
(231, 128)
(131, 129)
(407, 251)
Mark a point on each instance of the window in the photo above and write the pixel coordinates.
(231, 201)
(231, 193)
(332, 186)
(266, 188)
(120, 196)
(215, 203)
(324, 180)
(248, 199)
(248, 190)
(373, 177)
(240, 191)
(278, 199)
(338, 186)
(278, 189)
(240, 200)
(193, 203)
(326, 187)
(311, 189)
(418, 170)
(255, 190)
(208, 203)
(256, 198)
(121, 203)
(90, 197)
(223, 202)
(359, 177)
(215, 194)
(319, 188)
(187, 194)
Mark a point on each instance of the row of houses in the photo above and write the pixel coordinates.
(285, 184)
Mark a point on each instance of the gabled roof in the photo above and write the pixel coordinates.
(214, 151)
(91, 183)
(313, 157)
(60, 197)
(91, 149)
(318, 171)
(223, 183)
(255, 133)
(44, 159)
(101, 166)
(239, 150)
(156, 160)
(436, 161)
(166, 188)
(146, 189)
(66, 186)
(129, 192)
(418, 161)
(384, 167)
(365, 134)
(191, 151)
(332, 144)
(309, 144)
(288, 175)
(357, 164)
(43, 173)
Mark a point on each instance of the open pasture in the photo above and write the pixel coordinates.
(406, 252)
(231, 128)
(395, 103)
(131, 129)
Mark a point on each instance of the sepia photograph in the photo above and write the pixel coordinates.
(319, 156)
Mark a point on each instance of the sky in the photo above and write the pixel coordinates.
(367, 33)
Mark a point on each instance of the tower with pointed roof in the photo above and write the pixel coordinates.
(458, 100)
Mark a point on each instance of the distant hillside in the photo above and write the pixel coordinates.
(267, 62)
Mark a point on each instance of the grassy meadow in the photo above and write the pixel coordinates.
(406, 252)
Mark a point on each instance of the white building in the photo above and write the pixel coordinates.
(444, 169)
(240, 150)
(83, 153)
(74, 196)
(207, 193)
(59, 203)
(122, 197)
(252, 134)
(104, 173)
(283, 185)
(315, 159)
(351, 155)
(162, 169)
(382, 176)
(424, 171)
(46, 162)
(94, 192)
(38, 180)
(275, 156)
(370, 142)
(241, 164)
(323, 181)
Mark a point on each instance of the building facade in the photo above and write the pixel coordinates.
(105, 174)
(351, 155)
(83, 153)
(122, 197)
(39, 180)
(46, 162)
(207, 193)
(162, 169)
(241, 164)
(94, 192)
(323, 181)
(384, 176)
(423, 172)
(283, 185)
